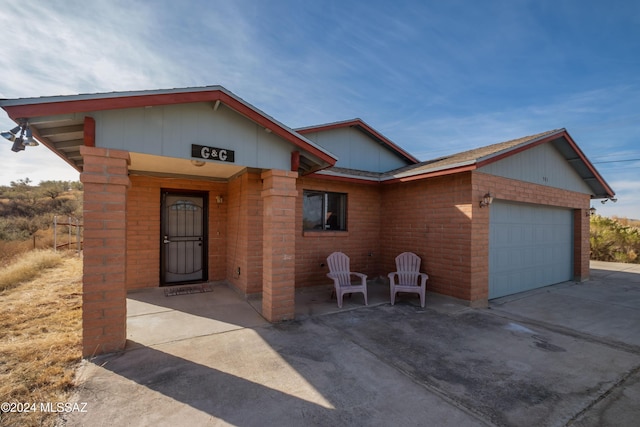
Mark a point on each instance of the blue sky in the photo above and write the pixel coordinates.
(436, 77)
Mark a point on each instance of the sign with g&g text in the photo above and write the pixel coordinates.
(212, 153)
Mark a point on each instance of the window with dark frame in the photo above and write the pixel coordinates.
(324, 211)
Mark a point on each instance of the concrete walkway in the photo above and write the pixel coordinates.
(568, 354)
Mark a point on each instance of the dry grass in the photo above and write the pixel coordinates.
(40, 334)
(10, 251)
(27, 267)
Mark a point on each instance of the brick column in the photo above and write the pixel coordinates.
(581, 244)
(279, 244)
(104, 299)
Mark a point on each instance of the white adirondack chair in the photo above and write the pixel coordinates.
(408, 277)
(340, 273)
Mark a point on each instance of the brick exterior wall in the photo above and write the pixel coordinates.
(258, 229)
(104, 308)
(361, 242)
(432, 218)
(440, 219)
(143, 227)
(437, 218)
(244, 244)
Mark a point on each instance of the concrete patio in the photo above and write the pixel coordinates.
(567, 354)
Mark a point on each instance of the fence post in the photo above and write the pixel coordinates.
(55, 233)
(78, 243)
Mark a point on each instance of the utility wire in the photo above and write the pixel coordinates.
(617, 161)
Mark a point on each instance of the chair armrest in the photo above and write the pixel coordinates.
(392, 278)
(362, 277)
(423, 279)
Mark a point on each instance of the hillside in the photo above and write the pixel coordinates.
(27, 214)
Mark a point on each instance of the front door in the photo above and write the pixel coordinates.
(184, 238)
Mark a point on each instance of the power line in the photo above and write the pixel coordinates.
(617, 161)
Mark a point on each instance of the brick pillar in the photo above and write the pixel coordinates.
(581, 244)
(104, 299)
(279, 247)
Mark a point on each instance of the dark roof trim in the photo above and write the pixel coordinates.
(366, 129)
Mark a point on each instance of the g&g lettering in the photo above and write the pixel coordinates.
(212, 153)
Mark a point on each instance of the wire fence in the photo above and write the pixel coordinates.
(74, 234)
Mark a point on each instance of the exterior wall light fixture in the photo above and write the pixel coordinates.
(197, 163)
(219, 200)
(591, 211)
(30, 142)
(613, 199)
(24, 140)
(487, 199)
(11, 134)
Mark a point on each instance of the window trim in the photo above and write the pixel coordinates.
(325, 205)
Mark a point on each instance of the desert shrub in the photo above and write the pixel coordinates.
(611, 240)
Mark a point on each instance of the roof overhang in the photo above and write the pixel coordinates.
(59, 123)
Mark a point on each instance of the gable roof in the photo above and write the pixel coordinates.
(363, 127)
(23, 109)
(479, 157)
(65, 137)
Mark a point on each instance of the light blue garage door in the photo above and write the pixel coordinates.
(530, 246)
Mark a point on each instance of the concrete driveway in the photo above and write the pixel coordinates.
(568, 354)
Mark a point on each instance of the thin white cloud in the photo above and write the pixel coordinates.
(628, 196)
(435, 78)
(79, 47)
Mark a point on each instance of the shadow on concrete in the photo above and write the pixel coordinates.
(216, 394)
(381, 365)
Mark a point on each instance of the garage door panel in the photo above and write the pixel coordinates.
(530, 246)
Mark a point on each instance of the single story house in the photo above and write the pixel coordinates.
(195, 185)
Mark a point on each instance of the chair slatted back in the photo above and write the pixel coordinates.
(408, 267)
(339, 265)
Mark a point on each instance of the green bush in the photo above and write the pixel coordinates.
(612, 240)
